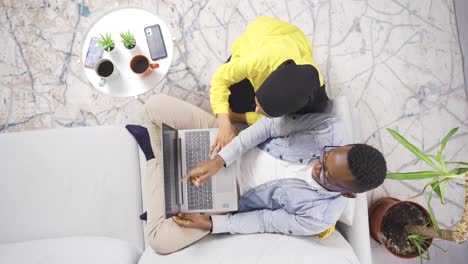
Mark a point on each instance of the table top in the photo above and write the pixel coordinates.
(134, 20)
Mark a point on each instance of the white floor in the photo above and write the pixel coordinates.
(398, 61)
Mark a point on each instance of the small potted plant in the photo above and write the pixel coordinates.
(409, 223)
(106, 42)
(128, 39)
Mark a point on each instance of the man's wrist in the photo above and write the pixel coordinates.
(220, 162)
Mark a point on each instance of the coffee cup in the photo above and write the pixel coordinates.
(105, 69)
(141, 65)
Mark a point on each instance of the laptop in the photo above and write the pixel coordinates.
(182, 150)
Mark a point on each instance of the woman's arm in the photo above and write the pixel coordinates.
(226, 75)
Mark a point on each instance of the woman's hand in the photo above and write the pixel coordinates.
(226, 132)
(204, 170)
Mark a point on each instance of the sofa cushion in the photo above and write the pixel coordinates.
(70, 182)
(70, 250)
(259, 248)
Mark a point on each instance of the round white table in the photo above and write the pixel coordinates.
(122, 20)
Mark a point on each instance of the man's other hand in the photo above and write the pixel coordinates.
(198, 221)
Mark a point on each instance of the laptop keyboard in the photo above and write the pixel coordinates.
(197, 146)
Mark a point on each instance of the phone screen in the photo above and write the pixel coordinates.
(94, 53)
(155, 42)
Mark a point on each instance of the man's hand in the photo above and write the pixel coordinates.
(199, 221)
(226, 132)
(204, 170)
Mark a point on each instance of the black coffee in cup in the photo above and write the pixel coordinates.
(105, 68)
(140, 65)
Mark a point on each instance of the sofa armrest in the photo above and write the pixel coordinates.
(358, 234)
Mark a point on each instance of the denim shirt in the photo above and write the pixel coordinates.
(288, 206)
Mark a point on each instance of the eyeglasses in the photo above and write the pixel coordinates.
(322, 172)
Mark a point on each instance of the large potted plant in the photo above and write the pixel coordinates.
(405, 228)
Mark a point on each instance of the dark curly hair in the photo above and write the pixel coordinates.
(368, 165)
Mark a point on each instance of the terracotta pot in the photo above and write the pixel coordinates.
(376, 215)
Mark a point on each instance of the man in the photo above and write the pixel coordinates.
(292, 183)
(272, 62)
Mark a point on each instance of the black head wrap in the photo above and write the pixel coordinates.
(288, 89)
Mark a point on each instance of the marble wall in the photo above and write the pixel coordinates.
(398, 61)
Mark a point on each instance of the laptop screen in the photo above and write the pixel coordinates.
(170, 159)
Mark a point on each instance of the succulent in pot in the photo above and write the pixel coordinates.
(128, 39)
(106, 42)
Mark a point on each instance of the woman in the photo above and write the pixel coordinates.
(271, 73)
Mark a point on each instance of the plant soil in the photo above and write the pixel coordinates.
(394, 236)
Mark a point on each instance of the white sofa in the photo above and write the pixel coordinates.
(74, 196)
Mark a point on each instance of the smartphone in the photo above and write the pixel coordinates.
(94, 53)
(155, 41)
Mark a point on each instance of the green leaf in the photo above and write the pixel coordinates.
(413, 175)
(440, 188)
(436, 187)
(457, 162)
(434, 157)
(106, 42)
(421, 244)
(421, 192)
(432, 216)
(443, 189)
(416, 151)
(444, 142)
(439, 160)
(128, 38)
(458, 171)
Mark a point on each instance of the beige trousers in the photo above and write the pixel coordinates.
(164, 235)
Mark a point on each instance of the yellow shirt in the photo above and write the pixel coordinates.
(266, 43)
